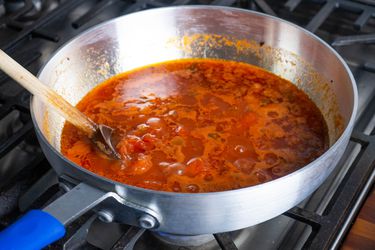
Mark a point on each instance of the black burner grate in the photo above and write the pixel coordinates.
(330, 227)
(32, 30)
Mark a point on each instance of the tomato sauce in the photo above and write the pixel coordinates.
(199, 125)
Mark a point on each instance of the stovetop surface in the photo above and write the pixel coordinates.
(30, 31)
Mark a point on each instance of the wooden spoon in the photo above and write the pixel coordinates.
(101, 135)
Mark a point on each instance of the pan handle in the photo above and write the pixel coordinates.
(35, 230)
(39, 228)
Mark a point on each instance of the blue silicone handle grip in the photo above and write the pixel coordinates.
(33, 231)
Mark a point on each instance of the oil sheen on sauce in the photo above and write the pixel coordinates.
(199, 125)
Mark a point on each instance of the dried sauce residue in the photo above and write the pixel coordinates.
(200, 125)
(196, 43)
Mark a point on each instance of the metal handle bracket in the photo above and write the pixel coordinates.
(84, 197)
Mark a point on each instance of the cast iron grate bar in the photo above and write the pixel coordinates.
(153, 3)
(225, 241)
(357, 7)
(22, 174)
(128, 239)
(363, 18)
(78, 239)
(223, 2)
(369, 2)
(369, 66)
(365, 119)
(135, 7)
(18, 102)
(263, 6)
(304, 216)
(322, 15)
(144, 4)
(96, 9)
(349, 40)
(46, 35)
(329, 227)
(13, 141)
(63, 7)
(37, 32)
(181, 2)
(5, 111)
(366, 11)
(292, 4)
(44, 183)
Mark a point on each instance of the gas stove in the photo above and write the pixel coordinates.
(32, 30)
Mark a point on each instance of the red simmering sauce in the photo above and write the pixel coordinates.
(199, 125)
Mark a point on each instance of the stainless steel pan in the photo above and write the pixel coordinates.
(182, 32)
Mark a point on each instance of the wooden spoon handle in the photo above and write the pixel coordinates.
(46, 94)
